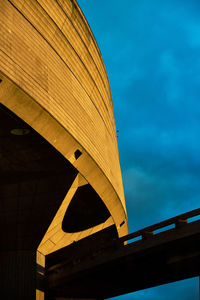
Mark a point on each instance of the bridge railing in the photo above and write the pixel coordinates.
(143, 234)
(177, 222)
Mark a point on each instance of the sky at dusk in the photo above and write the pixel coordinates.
(151, 50)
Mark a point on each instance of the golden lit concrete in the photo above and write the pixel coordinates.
(55, 238)
(44, 80)
(53, 78)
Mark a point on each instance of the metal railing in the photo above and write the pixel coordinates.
(144, 234)
(178, 222)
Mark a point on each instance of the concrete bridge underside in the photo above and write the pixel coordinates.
(117, 269)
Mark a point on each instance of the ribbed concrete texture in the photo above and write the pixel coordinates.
(60, 172)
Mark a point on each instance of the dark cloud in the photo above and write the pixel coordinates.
(151, 52)
(186, 291)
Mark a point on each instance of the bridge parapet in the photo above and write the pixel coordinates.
(175, 222)
(161, 255)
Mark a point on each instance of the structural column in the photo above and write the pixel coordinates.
(18, 275)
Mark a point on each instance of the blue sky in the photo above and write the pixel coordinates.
(151, 50)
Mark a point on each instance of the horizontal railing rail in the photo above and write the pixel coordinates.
(145, 233)
(178, 221)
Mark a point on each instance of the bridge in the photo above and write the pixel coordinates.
(162, 253)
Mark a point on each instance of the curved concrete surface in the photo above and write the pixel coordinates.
(56, 105)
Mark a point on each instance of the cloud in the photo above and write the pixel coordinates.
(172, 73)
(183, 290)
(151, 53)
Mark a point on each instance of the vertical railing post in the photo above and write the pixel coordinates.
(179, 223)
(147, 234)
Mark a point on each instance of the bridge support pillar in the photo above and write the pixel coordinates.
(18, 275)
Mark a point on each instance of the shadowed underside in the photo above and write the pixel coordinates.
(35, 178)
(85, 210)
